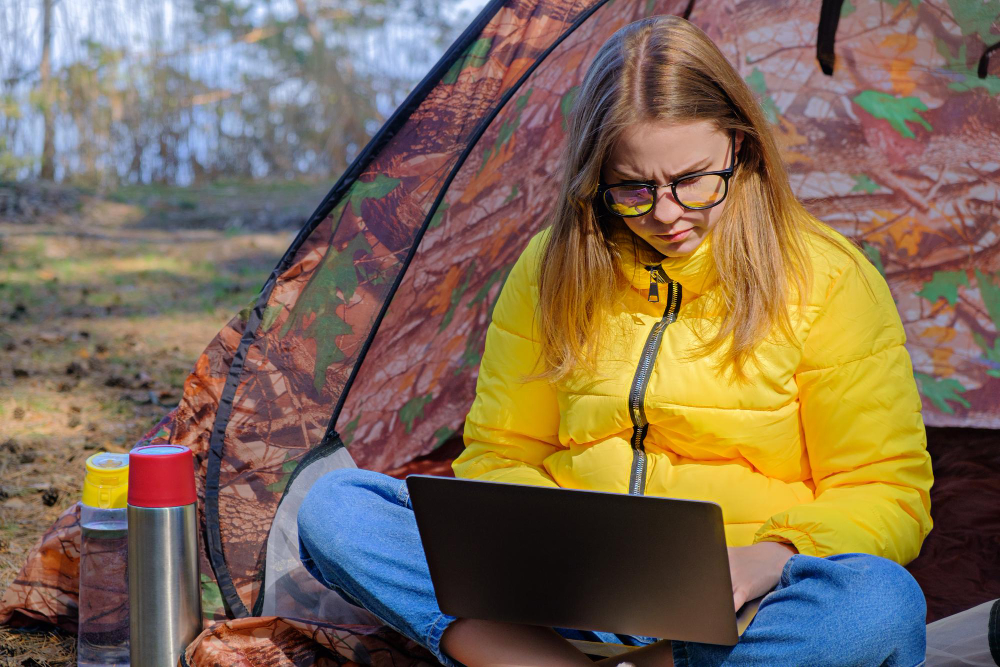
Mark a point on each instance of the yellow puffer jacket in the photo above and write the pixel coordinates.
(825, 449)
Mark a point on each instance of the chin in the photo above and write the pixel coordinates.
(687, 247)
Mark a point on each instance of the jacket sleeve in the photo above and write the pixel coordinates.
(865, 439)
(512, 426)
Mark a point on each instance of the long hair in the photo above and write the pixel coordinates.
(665, 69)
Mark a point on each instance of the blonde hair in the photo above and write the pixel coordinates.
(665, 69)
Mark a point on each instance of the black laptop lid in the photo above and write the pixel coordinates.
(591, 560)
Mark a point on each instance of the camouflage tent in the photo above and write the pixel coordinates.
(363, 345)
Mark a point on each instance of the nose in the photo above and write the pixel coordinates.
(666, 208)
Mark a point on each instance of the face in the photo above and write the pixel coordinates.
(661, 153)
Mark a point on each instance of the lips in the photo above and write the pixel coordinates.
(676, 236)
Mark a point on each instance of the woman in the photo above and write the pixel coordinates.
(684, 328)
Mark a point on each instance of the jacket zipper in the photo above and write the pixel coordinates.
(637, 395)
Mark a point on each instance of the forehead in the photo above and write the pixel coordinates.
(665, 148)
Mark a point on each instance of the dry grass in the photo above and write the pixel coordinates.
(36, 648)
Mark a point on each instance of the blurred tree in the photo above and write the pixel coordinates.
(182, 91)
(48, 171)
(312, 103)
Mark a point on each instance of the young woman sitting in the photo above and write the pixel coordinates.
(682, 328)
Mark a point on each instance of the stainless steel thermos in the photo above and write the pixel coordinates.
(163, 586)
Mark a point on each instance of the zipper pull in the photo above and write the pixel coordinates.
(654, 280)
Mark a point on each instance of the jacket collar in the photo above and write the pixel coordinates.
(695, 272)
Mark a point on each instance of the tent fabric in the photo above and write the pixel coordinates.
(363, 345)
(288, 641)
(966, 638)
(289, 590)
(959, 563)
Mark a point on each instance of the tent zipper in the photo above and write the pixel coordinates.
(637, 395)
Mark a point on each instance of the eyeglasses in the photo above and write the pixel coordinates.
(698, 191)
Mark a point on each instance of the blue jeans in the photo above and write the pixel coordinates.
(358, 537)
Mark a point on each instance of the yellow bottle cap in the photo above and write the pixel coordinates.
(106, 483)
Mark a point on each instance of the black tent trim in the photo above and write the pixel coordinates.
(984, 61)
(826, 36)
(331, 439)
(993, 632)
(213, 538)
(474, 140)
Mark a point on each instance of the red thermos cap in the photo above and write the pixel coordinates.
(161, 476)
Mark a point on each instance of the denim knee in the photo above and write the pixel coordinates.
(889, 597)
(325, 500)
(893, 582)
(325, 519)
(844, 609)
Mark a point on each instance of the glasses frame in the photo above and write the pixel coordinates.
(726, 174)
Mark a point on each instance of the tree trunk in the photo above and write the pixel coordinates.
(48, 172)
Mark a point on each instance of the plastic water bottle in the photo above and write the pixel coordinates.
(103, 636)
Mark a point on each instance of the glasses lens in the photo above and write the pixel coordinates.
(629, 199)
(701, 191)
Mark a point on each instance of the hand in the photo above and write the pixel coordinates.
(756, 569)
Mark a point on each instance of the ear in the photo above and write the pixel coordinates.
(740, 134)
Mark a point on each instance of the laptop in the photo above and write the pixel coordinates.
(569, 558)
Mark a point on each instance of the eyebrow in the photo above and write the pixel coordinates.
(697, 166)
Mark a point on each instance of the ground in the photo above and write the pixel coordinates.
(106, 301)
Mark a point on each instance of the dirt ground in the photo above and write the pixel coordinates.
(105, 303)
